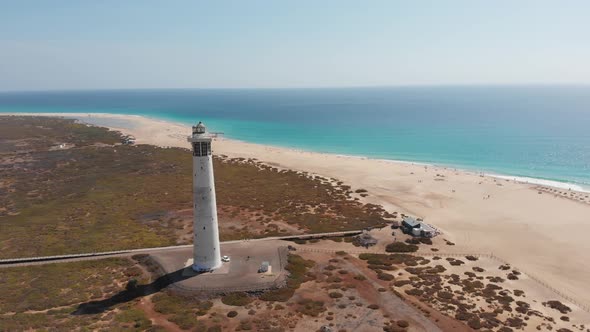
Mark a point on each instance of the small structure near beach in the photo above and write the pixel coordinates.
(128, 140)
(417, 227)
(365, 240)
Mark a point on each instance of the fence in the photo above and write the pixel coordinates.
(559, 293)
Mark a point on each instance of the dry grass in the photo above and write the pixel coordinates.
(100, 197)
(45, 297)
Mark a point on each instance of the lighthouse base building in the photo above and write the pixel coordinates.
(206, 249)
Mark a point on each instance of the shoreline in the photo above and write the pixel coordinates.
(557, 184)
(523, 179)
(533, 227)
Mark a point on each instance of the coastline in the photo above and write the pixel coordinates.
(487, 214)
(90, 118)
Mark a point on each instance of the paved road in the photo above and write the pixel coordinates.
(25, 261)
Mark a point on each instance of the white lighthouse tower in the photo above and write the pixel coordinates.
(206, 251)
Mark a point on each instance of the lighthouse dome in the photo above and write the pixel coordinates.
(199, 128)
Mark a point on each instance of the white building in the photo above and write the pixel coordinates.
(417, 228)
(206, 250)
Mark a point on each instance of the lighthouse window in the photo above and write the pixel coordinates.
(201, 149)
(197, 149)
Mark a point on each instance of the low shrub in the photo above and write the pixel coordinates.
(512, 276)
(445, 295)
(414, 292)
(333, 279)
(474, 323)
(426, 240)
(400, 283)
(236, 299)
(403, 323)
(554, 304)
(335, 295)
(385, 276)
(311, 308)
(298, 268)
(401, 247)
(462, 315)
(232, 314)
(456, 262)
(278, 295)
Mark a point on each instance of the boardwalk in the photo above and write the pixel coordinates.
(23, 261)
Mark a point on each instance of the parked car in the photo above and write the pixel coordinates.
(225, 259)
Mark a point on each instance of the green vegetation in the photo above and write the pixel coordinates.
(89, 197)
(56, 290)
(183, 311)
(387, 262)
(292, 197)
(385, 276)
(238, 299)
(403, 323)
(134, 318)
(401, 247)
(166, 303)
(71, 188)
(41, 133)
(297, 267)
(311, 308)
(335, 295)
(92, 195)
(40, 287)
(554, 304)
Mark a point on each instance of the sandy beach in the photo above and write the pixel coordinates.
(538, 229)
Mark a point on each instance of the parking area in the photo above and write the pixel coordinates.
(240, 273)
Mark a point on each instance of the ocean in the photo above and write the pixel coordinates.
(539, 133)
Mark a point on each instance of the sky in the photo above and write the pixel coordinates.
(62, 45)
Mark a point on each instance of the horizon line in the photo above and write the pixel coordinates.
(444, 85)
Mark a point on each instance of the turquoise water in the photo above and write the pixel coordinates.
(537, 131)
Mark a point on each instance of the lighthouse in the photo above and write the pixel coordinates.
(206, 251)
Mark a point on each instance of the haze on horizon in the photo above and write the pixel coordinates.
(62, 45)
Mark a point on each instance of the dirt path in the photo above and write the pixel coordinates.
(147, 306)
(388, 300)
